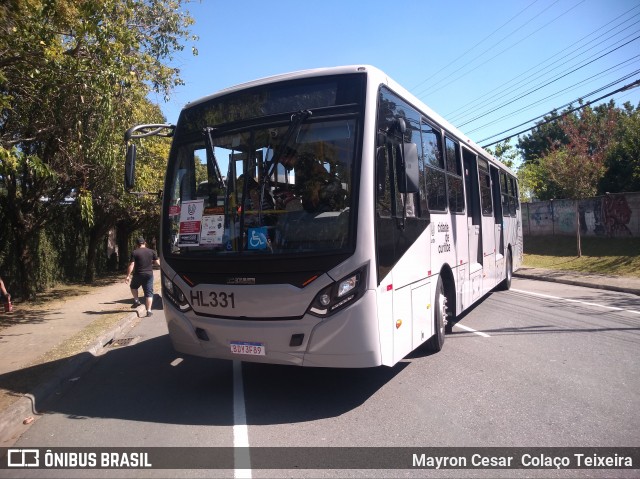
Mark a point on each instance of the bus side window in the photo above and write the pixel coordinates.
(485, 187)
(513, 198)
(434, 175)
(383, 180)
(505, 192)
(454, 176)
(516, 194)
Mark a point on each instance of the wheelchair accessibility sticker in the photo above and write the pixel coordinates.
(257, 238)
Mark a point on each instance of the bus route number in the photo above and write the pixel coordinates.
(214, 299)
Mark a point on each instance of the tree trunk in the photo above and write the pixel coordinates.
(90, 270)
(578, 230)
(26, 268)
(123, 233)
(96, 234)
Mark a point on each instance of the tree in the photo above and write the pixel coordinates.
(578, 166)
(505, 152)
(542, 139)
(533, 147)
(531, 181)
(623, 156)
(72, 75)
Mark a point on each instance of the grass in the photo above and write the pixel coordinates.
(610, 256)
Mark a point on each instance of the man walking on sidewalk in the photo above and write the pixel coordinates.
(142, 261)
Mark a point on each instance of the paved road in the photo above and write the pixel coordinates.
(540, 365)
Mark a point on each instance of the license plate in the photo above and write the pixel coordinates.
(252, 349)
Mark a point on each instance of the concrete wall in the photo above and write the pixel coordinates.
(616, 215)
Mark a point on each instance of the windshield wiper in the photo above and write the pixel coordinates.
(213, 170)
(296, 121)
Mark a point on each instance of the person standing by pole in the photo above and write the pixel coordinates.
(141, 265)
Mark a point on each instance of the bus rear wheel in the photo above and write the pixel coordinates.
(506, 283)
(435, 343)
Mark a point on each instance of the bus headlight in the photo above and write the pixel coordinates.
(175, 296)
(325, 299)
(348, 285)
(340, 294)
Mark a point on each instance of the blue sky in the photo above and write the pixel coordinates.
(462, 58)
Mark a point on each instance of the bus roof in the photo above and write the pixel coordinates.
(372, 72)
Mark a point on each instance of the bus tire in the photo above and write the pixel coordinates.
(435, 343)
(505, 285)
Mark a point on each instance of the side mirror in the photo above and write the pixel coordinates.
(409, 179)
(130, 167)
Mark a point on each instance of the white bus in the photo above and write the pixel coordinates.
(353, 223)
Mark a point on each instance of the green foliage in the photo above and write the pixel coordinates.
(576, 167)
(73, 77)
(531, 182)
(583, 154)
(48, 272)
(618, 257)
(86, 206)
(623, 157)
(542, 139)
(505, 152)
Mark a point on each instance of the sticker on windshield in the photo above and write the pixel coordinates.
(212, 229)
(190, 220)
(257, 238)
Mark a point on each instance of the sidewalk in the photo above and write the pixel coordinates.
(46, 348)
(611, 283)
(43, 348)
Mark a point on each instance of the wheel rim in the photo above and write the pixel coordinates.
(443, 312)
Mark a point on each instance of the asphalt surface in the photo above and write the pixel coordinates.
(24, 346)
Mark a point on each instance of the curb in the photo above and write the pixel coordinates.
(577, 282)
(15, 419)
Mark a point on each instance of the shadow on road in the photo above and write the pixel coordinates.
(139, 383)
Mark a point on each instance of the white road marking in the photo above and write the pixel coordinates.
(241, 457)
(614, 308)
(471, 330)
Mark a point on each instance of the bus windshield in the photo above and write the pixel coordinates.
(277, 184)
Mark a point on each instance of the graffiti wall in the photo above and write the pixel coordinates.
(609, 216)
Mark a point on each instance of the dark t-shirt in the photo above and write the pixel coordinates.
(143, 259)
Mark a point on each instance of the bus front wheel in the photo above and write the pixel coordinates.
(436, 341)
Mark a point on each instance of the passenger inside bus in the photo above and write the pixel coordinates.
(252, 200)
(318, 189)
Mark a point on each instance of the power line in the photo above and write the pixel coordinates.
(473, 47)
(548, 83)
(624, 88)
(626, 77)
(422, 94)
(583, 63)
(501, 89)
(520, 110)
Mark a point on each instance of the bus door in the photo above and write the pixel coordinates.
(459, 229)
(473, 288)
(488, 227)
(402, 243)
(499, 222)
